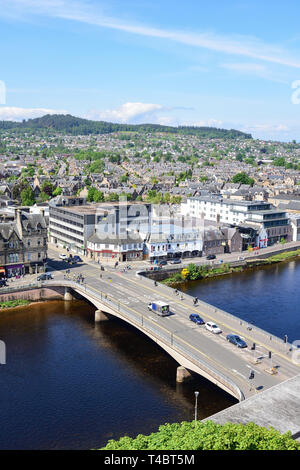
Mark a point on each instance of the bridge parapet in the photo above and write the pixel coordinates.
(177, 347)
(264, 336)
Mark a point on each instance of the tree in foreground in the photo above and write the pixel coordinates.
(208, 436)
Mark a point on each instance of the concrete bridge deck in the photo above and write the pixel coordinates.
(126, 295)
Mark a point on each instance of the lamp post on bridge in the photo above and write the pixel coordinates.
(196, 405)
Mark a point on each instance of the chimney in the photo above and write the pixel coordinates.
(18, 218)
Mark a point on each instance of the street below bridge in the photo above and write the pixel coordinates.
(133, 292)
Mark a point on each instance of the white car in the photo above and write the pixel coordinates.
(63, 256)
(210, 326)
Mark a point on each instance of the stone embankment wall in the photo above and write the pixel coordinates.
(34, 295)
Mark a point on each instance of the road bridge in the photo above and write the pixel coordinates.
(126, 294)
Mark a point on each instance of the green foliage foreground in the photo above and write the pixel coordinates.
(208, 436)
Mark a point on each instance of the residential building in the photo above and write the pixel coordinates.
(115, 248)
(23, 244)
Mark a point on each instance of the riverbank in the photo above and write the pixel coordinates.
(193, 272)
(14, 303)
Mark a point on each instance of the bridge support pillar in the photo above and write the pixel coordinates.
(182, 374)
(100, 316)
(68, 295)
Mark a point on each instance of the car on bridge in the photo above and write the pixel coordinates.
(196, 319)
(44, 277)
(236, 340)
(210, 326)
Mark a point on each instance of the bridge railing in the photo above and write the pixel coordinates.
(167, 337)
(267, 337)
(161, 333)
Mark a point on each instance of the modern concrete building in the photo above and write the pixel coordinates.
(72, 221)
(295, 225)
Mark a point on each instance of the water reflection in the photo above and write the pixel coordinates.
(69, 383)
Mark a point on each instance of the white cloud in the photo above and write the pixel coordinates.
(10, 113)
(258, 70)
(127, 113)
(266, 128)
(86, 12)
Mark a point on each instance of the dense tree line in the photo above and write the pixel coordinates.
(77, 126)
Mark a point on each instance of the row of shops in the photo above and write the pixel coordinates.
(18, 270)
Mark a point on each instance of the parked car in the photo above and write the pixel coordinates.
(77, 259)
(63, 256)
(162, 263)
(175, 261)
(44, 277)
(210, 326)
(197, 319)
(3, 283)
(236, 340)
(211, 257)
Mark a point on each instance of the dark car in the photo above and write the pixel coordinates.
(44, 277)
(197, 319)
(162, 263)
(175, 261)
(211, 257)
(77, 259)
(3, 283)
(236, 340)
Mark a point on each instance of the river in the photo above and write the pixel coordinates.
(72, 384)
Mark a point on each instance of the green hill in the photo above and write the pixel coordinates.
(67, 124)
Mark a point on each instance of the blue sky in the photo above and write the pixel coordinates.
(222, 63)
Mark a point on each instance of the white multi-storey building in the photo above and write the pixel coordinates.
(272, 224)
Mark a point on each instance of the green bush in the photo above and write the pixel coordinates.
(207, 436)
(13, 303)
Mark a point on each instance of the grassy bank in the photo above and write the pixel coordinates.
(286, 255)
(14, 303)
(193, 272)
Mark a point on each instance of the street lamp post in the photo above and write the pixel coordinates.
(196, 405)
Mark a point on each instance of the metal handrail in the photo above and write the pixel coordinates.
(271, 337)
